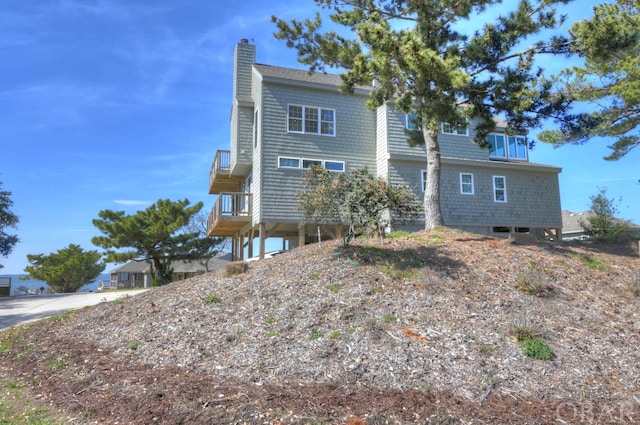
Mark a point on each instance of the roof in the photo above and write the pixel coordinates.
(180, 266)
(571, 221)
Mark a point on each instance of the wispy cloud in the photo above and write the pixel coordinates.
(132, 202)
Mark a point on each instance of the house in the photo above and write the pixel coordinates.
(283, 121)
(572, 225)
(137, 274)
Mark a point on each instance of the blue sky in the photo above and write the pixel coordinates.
(114, 104)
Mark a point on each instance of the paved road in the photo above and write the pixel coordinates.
(28, 308)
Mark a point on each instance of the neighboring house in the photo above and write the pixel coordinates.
(137, 274)
(283, 121)
(572, 225)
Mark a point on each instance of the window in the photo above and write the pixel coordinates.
(308, 163)
(424, 180)
(507, 147)
(458, 130)
(334, 165)
(305, 164)
(284, 162)
(466, 183)
(411, 121)
(499, 189)
(311, 120)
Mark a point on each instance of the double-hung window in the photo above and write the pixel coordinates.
(311, 120)
(507, 147)
(424, 180)
(466, 183)
(499, 189)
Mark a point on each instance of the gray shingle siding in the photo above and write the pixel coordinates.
(353, 143)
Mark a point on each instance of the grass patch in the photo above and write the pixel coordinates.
(534, 280)
(390, 318)
(134, 345)
(334, 288)
(212, 299)
(334, 335)
(271, 320)
(536, 348)
(16, 408)
(314, 275)
(57, 363)
(271, 334)
(398, 234)
(592, 261)
(118, 301)
(522, 333)
(487, 349)
(315, 335)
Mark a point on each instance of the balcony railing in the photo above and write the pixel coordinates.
(230, 213)
(220, 179)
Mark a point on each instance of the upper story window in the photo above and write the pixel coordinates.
(411, 121)
(458, 130)
(305, 164)
(311, 120)
(466, 184)
(508, 147)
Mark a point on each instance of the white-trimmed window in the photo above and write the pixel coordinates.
(306, 163)
(410, 121)
(499, 189)
(458, 130)
(334, 165)
(508, 147)
(466, 184)
(311, 120)
(424, 180)
(286, 162)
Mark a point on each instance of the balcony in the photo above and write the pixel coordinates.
(231, 212)
(220, 178)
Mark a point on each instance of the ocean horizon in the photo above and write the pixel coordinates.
(35, 285)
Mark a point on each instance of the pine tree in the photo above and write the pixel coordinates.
(158, 234)
(608, 82)
(437, 59)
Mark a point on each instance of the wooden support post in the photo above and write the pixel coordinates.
(252, 234)
(263, 237)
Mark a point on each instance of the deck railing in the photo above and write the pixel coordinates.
(231, 206)
(222, 162)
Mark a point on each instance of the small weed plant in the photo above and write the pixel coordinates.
(314, 275)
(334, 288)
(522, 333)
(487, 349)
(212, 299)
(315, 335)
(133, 346)
(334, 335)
(536, 348)
(271, 321)
(57, 363)
(534, 280)
(390, 318)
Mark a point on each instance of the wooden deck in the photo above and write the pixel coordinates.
(231, 212)
(220, 178)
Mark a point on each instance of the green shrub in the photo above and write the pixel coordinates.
(536, 348)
